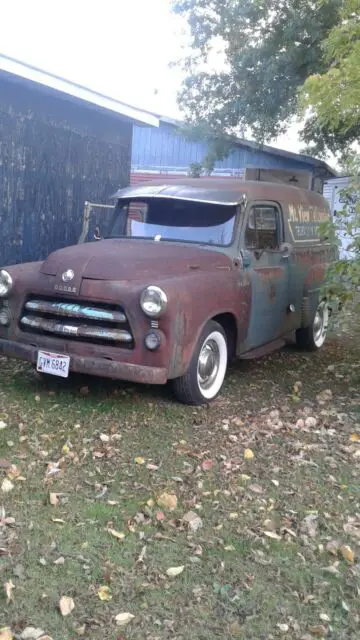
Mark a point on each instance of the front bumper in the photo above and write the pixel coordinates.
(92, 366)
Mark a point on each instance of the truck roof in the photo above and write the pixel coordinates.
(220, 191)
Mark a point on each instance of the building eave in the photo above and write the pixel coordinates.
(87, 96)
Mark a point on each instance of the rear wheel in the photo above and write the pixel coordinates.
(314, 336)
(203, 380)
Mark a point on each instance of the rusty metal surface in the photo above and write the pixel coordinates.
(221, 191)
(90, 365)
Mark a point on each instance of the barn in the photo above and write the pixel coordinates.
(60, 145)
(165, 151)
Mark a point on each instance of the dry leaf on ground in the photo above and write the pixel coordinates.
(6, 485)
(193, 520)
(272, 535)
(249, 454)
(66, 605)
(32, 633)
(104, 593)
(172, 572)
(123, 618)
(6, 634)
(54, 499)
(9, 588)
(207, 465)
(119, 535)
(168, 501)
(309, 525)
(318, 630)
(347, 553)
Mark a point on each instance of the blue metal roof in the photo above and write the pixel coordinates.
(166, 147)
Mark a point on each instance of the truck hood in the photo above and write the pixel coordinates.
(128, 260)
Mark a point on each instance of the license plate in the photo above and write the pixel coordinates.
(54, 364)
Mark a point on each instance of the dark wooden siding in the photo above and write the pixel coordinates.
(54, 155)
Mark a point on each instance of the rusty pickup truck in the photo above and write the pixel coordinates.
(189, 274)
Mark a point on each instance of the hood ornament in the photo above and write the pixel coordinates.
(68, 275)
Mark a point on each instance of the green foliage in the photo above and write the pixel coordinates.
(334, 95)
(269, 48)
(344, 275)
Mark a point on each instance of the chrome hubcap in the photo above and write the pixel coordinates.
(320, 324)
(208, 365)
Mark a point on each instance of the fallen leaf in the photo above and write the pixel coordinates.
(193, 521)
(119, 535)
(324, 617)
(66, 605)
(6, 485)
(6, 634)
(139, 460)
(272, 535)
(207, 465)
(54, 499)
(244, 477)
(123, 618)
(168, 501)
(104, 437)
(9, 587)
(229, 547)
(255, 488)
(351, 530)
(152, 467)
(310, 422)
(355, 437)
(283, 627)
(332, 547)
(32, 633)
(309, 525)
(236, 630)
(174, 571)
(59, 561)
(104, 593)
(80, 631)
(347, 553)
(318, 630)
(249, 454)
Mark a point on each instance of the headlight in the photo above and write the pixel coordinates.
(6, 283)
(153, 301)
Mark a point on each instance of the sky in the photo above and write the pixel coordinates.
(122, 48)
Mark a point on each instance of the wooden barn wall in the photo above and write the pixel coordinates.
(54, 155)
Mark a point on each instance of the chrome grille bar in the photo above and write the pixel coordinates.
(70, 310)
(76, 331)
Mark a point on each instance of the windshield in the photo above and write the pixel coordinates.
(171, 219)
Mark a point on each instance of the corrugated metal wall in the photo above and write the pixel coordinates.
(54, 155)
(166, 148)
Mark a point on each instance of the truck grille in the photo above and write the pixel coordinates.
(100, 323)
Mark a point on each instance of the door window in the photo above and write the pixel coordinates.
(263, 228)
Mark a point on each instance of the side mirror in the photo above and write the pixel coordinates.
(97, 235)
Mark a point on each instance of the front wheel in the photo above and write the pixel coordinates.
(314, 336)
(203, 380)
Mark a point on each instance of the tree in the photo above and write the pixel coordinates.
(334, 95)
(270, 49)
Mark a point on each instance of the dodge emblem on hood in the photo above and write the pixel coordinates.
(68, 275)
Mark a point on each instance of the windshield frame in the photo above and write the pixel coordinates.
(122, 203)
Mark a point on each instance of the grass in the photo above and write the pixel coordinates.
(237, 581)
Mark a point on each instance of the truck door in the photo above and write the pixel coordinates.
(267, 263)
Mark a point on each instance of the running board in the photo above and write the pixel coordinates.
(263, 350)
